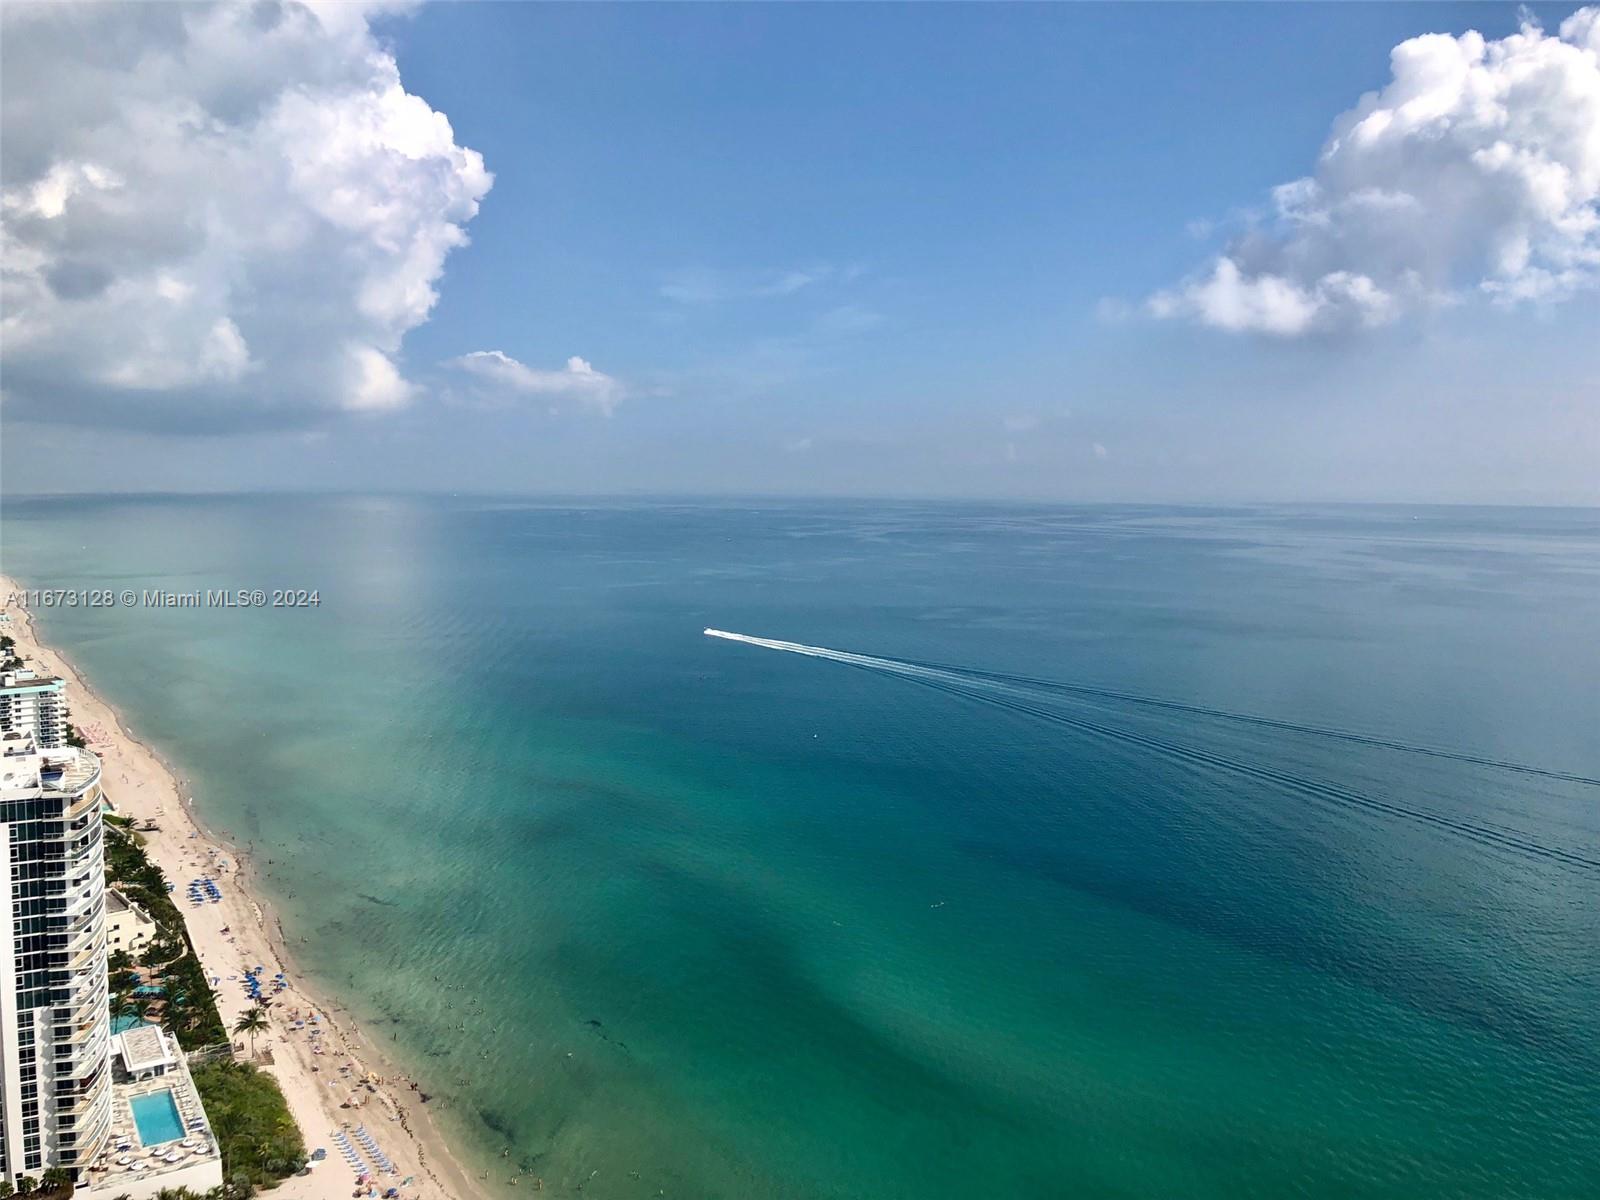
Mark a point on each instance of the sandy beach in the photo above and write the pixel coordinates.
(320, 1065)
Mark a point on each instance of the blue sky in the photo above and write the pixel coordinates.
(993, 171)
(896, 249)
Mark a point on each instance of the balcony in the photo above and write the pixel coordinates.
(79, 901)
(87, 986)
(83, 1012)
(85, 920)
(83, 1106)
(91, 932)
(86, 857)
(92, 950)
(91, 1138)
(86, 1060)
(81, 1034)
(87, 1005)
(92, 1073)
(93, 1055)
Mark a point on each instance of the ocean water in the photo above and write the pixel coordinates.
(658, 914)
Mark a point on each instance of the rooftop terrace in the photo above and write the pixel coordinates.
(68, 770)
(25, 768)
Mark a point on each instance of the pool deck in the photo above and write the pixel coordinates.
(126, 1165)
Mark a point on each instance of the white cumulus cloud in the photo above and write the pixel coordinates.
(1476, 170)
(216, 216)
(578, 380)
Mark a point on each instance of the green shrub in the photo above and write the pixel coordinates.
(259, 1138)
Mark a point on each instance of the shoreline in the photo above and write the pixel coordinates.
(242, 930)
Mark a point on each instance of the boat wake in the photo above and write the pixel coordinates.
(1025, 696)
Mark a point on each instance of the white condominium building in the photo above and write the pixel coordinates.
(55, 1071)
(128, 927)
(35, 704)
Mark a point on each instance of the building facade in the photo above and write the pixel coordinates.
(128, 927)
(55, 1071)
(35, 704)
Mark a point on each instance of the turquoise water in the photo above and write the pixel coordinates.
(156, 1115)
(654, 912)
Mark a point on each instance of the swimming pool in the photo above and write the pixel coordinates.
(156, 1115)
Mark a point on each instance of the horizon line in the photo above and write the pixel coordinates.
(709, 497)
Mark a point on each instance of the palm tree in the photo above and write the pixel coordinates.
(175, 1017)
(252, 1023)
(126, 1004)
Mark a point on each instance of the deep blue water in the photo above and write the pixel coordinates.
(752, 924)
